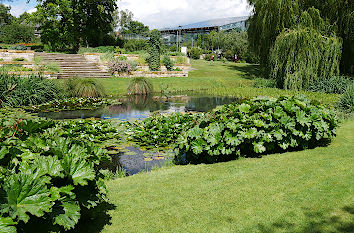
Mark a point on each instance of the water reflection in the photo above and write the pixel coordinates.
(140, 107)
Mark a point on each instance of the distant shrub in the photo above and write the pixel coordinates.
(84, 87)
(181, 60)
(155, 50)
(265, 83)
(140, 86)
(122, 66)
(195, 53)
(256, 127)
(135, 45)
(336, 85)
(19, 59)
(347, 100)
(107, 57)
(119, 50)
(100, 49)
(210, 57)
(168, 63)
(173, 48)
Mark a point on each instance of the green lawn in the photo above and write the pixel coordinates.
(205, 76)
(308, 191)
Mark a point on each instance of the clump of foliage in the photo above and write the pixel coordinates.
(18, 47)
(160, 131)
(49, 172)
(181, 60)
(304, 54)
(121, 66)
(69, 104)
(8, 68)
(256, 127)
(19, 59)
(84, 87)
(133, 45)
(336, 84)
(195, 53)
(154, 50)
(23, 91)
(140, 86)
(167, 61)
(347, 100)
(99, 49)
(42, 66)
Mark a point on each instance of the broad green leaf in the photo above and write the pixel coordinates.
(49, 165)
(3, 152)
(198, 146)
(67, 214)
(259, 147)
(7, 225)
(301, 118)
(245, 108)
(77, 168)
(26, 194)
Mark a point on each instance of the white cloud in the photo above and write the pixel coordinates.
(32, 10)
(168, 13)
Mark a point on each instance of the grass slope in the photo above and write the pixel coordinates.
(308, 191)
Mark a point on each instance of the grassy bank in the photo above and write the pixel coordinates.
(216, 78)
(308, 191)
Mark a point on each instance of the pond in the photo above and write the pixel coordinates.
(140, 107)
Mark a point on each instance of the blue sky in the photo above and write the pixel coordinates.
(166, 13)
(20, 6)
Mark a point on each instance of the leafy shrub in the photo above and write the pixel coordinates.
(107, 57)
(14, 68)
(51, 171)
(140, 86)
(173, 48)
(18, 47)
(160, 131)
(19, 59)
(84, 87)
(335, 85)
(168, 63)
(347, 99)
(100, 49)
(135, 45)
(265, 83)
(210, 57)
(119, 50)
(120, 67)
(256, 127)
(42, 66)
(195, 53)
(24, 91)
(181, 60)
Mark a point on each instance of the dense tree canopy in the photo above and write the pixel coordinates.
(271, 17)
(65, 24)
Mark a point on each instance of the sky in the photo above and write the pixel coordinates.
(166, 13)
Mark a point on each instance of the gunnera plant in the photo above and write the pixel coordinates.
(140, 86)
(84, 87)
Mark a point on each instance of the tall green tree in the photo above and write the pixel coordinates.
(5, 16)
(155, 50)
(271, 17)
(66, 24)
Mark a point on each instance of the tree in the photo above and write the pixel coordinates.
(65, 24)
(155, 50)
(135, 27)
(271, 17)
(5, 16)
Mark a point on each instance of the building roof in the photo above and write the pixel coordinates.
(209, 23)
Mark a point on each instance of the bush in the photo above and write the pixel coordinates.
(18, 47)
(23, 91)
(265, 83)
(135, 45)
(84, 87)
(140, 86)
(210, 57)
(173, 48)
(347, 100)
(168, 63)
(181, 60)
(121, 66)
(100, 49)
(49, 172)
(335, 85)
(195, 53)
(256, 127)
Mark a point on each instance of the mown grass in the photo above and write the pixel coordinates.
(307, 191)
(215, 78)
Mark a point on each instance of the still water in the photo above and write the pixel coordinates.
(140, 107)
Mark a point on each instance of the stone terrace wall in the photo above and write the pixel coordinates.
(9, 55)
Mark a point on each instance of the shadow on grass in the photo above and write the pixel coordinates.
(249, 71)
(96, 221)
(315, 222)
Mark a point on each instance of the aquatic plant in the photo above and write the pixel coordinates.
(140, 86)
(84, 87)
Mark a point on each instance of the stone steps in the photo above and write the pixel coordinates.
(74, 65)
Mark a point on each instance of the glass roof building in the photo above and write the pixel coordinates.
(190, 32)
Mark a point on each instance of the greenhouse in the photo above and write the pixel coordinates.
(189, 33)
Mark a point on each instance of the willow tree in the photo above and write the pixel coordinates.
(305, 53)
(271, 17)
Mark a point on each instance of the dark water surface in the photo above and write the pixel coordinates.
(140, 107)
